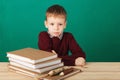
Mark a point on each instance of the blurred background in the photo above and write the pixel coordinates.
(94, 23)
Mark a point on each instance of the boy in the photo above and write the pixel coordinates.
(57, 41)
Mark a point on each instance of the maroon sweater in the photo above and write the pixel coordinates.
(62, 47)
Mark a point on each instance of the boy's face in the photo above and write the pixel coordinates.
(55, 25)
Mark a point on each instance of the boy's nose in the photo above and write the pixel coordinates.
(56, 27)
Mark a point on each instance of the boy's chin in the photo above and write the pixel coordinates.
(56, 35)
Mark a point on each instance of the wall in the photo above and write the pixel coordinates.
(94, 23)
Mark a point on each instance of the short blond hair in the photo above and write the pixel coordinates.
(56, 10)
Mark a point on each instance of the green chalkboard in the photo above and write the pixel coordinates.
(94, 23)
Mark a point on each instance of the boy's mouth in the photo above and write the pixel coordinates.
(56, 33)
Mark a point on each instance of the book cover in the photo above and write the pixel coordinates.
(31, 55)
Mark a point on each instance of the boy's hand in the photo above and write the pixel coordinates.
(80, 61)
(54, 52)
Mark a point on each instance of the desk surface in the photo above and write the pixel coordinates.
(92, 71)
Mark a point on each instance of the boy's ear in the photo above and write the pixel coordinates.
(65, 24)
(45, 22)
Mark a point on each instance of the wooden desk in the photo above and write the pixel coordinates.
(92, 71)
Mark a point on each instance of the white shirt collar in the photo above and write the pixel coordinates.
(60, 37)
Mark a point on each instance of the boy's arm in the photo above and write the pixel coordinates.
(44, 42)
(76, 52)
(75, 48)
(72, 60)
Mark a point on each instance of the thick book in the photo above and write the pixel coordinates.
(22, 71)
(39, 70)
(37, 65)
(31, 55)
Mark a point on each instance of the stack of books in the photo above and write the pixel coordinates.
(32, 62)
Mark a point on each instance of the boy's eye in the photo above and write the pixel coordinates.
(60, 24)
(51, 23)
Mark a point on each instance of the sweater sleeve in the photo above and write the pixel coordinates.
(75, 48)
(76, 52)
(44, 41)
(68, 60)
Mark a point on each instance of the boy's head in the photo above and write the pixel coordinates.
(55, 20)
(56, 11)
